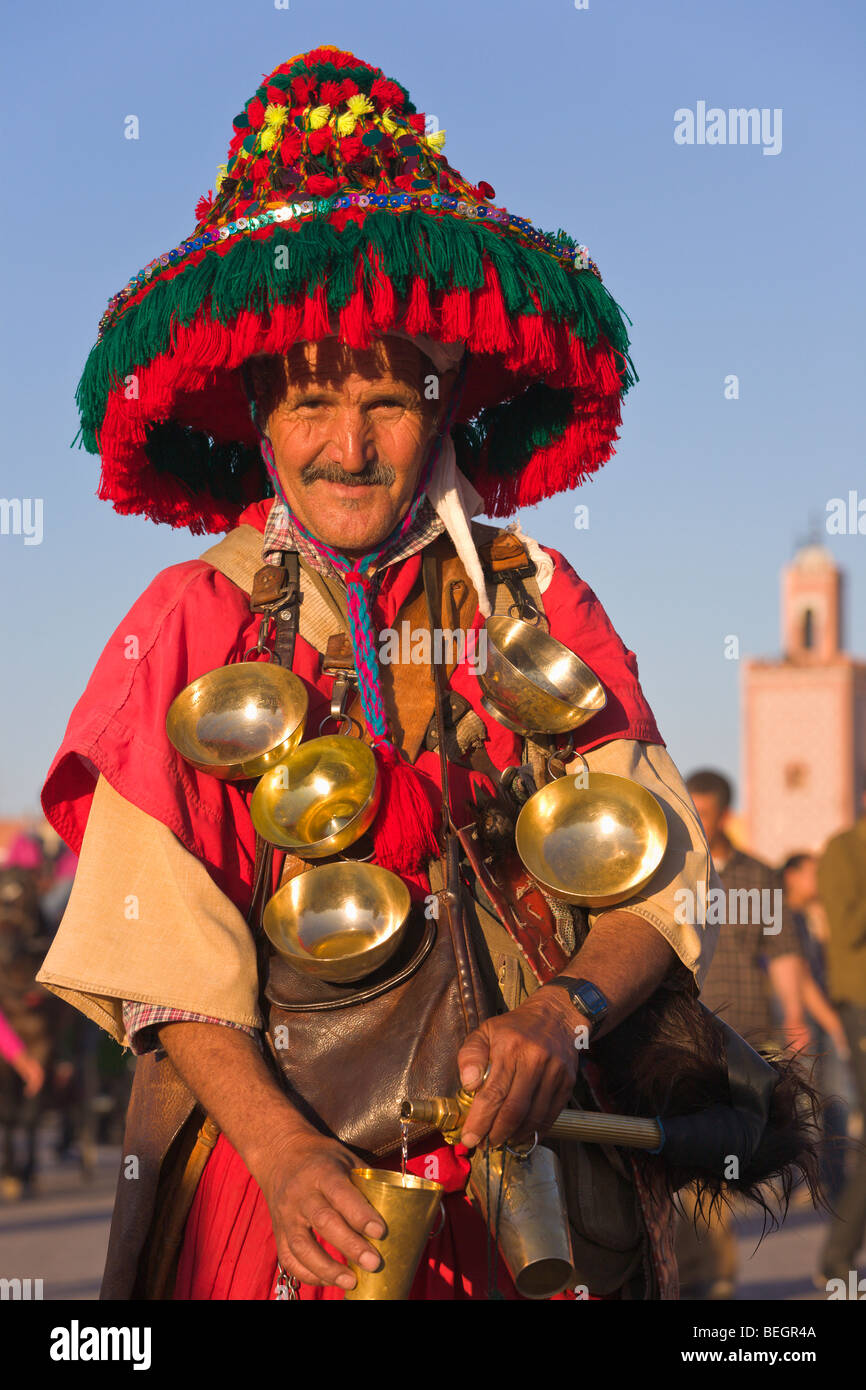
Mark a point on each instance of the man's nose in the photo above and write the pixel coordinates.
(351, 443)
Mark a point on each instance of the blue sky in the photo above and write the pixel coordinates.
(727, 260)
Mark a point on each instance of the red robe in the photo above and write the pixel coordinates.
(192, 619)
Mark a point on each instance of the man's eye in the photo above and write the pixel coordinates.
(388, 403)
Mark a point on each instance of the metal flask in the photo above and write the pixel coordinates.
(534, 1235)
(409, 1206)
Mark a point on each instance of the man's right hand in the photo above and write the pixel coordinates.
(308, 1191)
(304, 1176)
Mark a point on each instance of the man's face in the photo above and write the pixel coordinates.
(710, 810)
(350, 438)
(801, 884)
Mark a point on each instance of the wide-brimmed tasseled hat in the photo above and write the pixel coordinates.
(337, 206)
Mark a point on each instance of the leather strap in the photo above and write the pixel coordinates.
(287, 612)
(362, 995)
(452, 898)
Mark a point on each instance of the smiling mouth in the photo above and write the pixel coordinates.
(350, 488)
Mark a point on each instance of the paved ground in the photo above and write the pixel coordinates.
(60, 1236)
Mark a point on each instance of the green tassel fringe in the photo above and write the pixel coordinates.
(446, 253)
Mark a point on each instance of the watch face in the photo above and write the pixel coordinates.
(592, 998)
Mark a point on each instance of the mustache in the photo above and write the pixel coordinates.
(374, 475)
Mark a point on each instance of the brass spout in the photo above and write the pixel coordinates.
(448, 1113)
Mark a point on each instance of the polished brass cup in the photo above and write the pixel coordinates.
(320, 798)
(238, 720)
(408, 1206)
(533, 684)
(338, 922)
(593, 839)
(534, 1232)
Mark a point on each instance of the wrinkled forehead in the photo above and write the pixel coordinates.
(330, 362)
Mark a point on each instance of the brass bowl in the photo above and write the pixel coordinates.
(593, 840)
(338, 922)
(533, 684)
(237, 721)
(320, 799)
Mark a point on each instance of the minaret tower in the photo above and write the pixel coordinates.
(804, 719)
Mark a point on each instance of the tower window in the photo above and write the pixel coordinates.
(795, 775)
(808, 629)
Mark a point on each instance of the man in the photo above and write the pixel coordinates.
(754, 984)
(842, 888)
(399, 317)
(757, 953)
(827, 1041)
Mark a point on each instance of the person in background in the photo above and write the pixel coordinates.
(749, 983)
(14, 1051)
(842, 888)
(828, 1043)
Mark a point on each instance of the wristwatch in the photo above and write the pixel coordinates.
(585, 996)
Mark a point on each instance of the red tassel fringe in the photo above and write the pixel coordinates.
(404, 831)
(196, 383)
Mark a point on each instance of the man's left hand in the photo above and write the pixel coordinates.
(533, 1067)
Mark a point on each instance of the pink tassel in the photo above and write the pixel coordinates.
(404, 831)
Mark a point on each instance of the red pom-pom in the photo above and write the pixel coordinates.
(485, 190)
(405, 181)
(276, 96)
(302, 89)
(203, 206)
(330, 94)
(417, 122)
(319, 140)
(291, 146)
(256, 113)
(352, 147)
(261, 170)
(322, 185)
(386, 93)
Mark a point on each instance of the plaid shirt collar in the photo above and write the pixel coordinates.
(281, 535)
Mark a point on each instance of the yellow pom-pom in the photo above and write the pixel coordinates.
(319, 117)
(268, 137)
(360, 104)
(388, 121)
(436, 140)
(346, 123)
(275, 116)
(221, 173)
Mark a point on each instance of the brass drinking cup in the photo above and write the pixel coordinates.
(408, 1206)
(534, 1231)
(238, 720)
(593, 839)
(338, 922)
(320, 798)
(533, 684)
